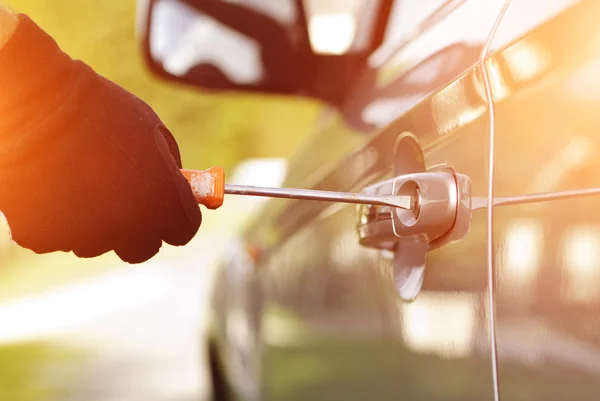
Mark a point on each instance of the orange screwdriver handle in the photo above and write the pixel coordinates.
(208, 186)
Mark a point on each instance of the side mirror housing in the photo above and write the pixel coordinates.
(281, 47)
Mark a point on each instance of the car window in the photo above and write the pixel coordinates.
(340, 27)
(407, 20)
(430, 43)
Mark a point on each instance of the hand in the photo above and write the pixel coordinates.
(85, 166)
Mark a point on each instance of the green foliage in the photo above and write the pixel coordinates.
(22, 368)
(352, 368)
(211, 129)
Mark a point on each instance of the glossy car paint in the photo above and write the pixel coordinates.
(302, 311)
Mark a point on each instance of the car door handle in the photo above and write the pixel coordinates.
(442, 213)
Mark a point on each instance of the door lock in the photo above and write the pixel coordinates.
(442, 214)
(442, 211)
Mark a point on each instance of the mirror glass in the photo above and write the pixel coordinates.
(188, 43)
(184, 40)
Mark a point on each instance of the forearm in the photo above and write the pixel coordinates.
(8, 24)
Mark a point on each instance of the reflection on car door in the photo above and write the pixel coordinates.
(333, 325)
(333, 309)
(548, 253)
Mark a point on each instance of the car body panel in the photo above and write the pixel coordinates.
(547, 268)
(303, 311)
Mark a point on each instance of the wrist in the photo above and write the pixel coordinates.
(36, 77)
(8, 25)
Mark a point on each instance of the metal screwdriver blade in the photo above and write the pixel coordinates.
(402, 202)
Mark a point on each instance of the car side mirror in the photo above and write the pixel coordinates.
(284, 47)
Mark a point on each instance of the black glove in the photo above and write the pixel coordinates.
(85, 166)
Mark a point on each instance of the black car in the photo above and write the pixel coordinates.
(487, 115)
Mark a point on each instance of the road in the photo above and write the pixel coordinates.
(140, 327)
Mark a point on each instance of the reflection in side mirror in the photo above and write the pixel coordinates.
(264, 46)
(185, 41)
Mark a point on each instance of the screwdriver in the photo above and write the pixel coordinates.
(209, 188)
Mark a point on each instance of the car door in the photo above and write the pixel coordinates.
(547, 251)
(333, 325)
(344, 315)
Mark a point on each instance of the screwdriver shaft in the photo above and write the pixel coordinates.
(402, 202)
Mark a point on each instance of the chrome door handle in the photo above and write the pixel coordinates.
(442, 215)
(443, 211)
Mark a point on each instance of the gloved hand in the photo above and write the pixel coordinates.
(85, 166)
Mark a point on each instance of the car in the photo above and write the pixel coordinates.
(485, 114)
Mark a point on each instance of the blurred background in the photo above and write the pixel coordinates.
(99, 329)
